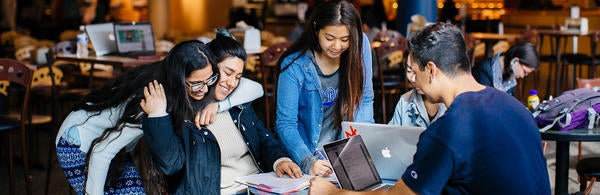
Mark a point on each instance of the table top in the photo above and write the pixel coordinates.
(125, 62)
(494, 36)
(572, 135)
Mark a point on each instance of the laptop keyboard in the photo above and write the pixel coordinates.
(384, 187)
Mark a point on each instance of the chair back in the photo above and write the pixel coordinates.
(387, 75)
(588, 83)
(268, 71)
(18, 73)
(65, 47)
(42, 77)
(386, 35)
(23, 54)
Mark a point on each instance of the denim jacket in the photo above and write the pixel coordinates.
(193, 160)
(299, 105)
(410, 111)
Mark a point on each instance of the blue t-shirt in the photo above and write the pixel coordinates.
(486, 143)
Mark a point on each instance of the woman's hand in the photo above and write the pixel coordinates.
(207, 115)
(154, 102)
(288, 167)
(321, 168)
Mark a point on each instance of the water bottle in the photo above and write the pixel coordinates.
(82, 42)
(533, 100)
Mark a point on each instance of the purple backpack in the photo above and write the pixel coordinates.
(576, 108)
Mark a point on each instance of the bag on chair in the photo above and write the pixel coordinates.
(578, 108)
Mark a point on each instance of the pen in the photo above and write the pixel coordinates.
(320, 154)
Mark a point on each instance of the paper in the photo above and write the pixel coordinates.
(271, 183)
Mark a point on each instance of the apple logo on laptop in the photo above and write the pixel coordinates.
(386, 152)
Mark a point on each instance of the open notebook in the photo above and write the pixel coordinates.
(269, 182)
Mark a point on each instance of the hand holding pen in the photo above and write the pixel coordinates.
(320, 167)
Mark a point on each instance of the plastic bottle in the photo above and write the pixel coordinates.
(533, 100)
(82, 42)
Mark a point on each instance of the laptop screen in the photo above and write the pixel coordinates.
(134, 37)
(352, 163)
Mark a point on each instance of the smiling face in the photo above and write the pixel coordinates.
(230, 70)
(334, 40)
(196, 77)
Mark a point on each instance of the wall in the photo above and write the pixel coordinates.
(193, 17)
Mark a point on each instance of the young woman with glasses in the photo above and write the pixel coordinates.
(503, 69)
(95, 141)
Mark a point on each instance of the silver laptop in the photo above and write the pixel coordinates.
(102, 37)
(134, 39)
(353, 166)
(392, 147)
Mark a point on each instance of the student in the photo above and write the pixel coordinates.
(503, 69)
(108, 120)
(415, 109)
(325, 78)
(475, 148)
(236, 144)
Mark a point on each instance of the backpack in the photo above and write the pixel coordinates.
(578, 108)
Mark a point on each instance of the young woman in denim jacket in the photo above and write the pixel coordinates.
(206, 160)
(106, 125)
(325, 78)
(415, 109)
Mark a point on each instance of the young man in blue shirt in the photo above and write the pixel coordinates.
(476, 147)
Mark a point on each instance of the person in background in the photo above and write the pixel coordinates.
(129, 10)
(474, 147)
(503, 69)
(325, 78)
(236, 144)
(299, 28)
(370, 23)
(414, 108)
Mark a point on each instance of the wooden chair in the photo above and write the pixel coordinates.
(20, 75)
(588, 169)
(268, 71)
(389, 78)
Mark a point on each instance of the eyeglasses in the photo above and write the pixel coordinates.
(198, 86)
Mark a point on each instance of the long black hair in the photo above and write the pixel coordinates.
(351, 73)
(527, 54)
(127, 91)
(224, 46)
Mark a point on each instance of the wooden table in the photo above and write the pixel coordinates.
(563, 139)
(489, 39)
(119, 63)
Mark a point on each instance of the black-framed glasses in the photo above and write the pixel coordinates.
(198, 86)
